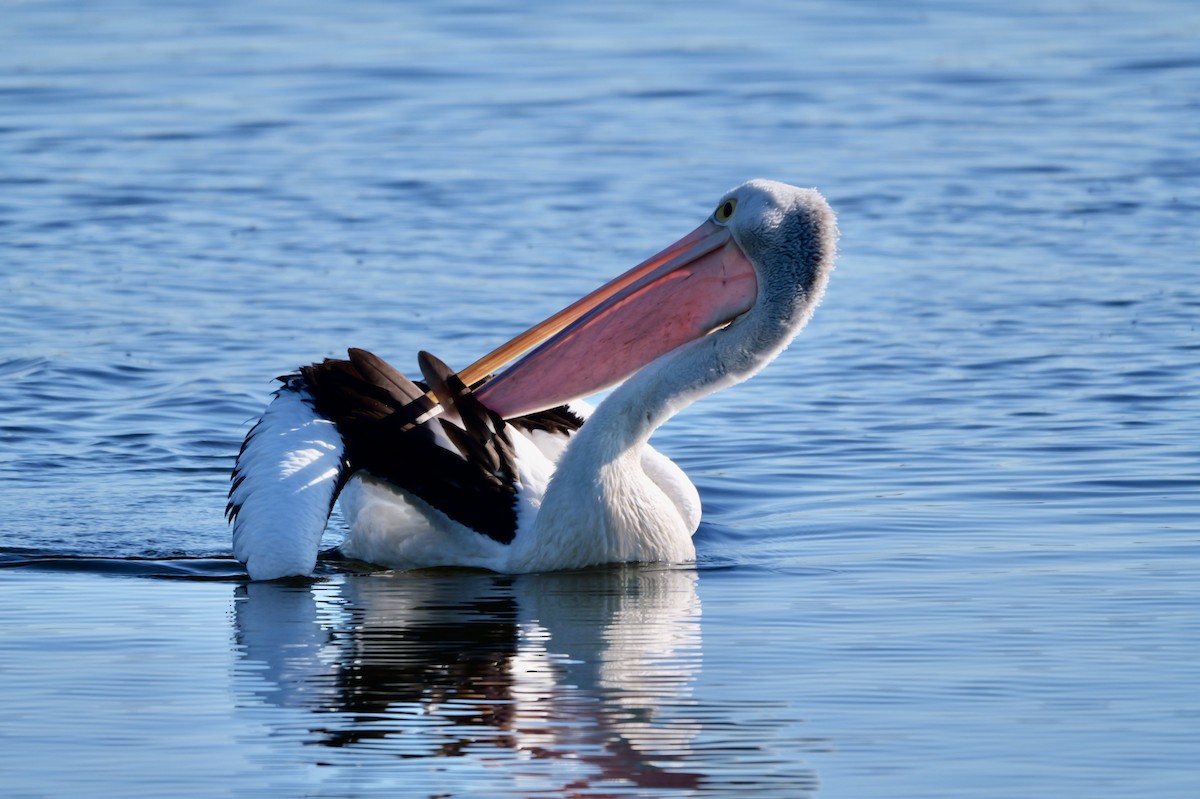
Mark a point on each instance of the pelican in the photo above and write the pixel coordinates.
(503, 466)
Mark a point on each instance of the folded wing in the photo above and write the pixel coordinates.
(341, 417)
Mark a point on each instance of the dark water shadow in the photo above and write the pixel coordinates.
(179, 567)
(183, 568)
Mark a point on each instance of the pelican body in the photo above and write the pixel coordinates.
(503, 466)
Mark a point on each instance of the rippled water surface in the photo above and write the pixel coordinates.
(950, 537)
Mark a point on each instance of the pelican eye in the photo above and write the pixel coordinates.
(724, 211)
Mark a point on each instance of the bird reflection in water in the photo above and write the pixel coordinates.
(584, 676)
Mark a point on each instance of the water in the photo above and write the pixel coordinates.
(950, 537)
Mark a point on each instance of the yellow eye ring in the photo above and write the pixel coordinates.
(724, 211)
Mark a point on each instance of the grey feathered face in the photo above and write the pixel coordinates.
(788, 233)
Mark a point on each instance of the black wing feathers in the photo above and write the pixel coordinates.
(375, 407)
(381, 373)
(560, 421)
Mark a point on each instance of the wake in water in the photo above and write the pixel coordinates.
(182, 567)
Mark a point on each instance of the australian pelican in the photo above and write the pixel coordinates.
(511, 471)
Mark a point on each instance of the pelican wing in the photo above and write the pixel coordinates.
(286, 479)
(461, 462)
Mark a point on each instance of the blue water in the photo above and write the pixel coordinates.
(950, 537)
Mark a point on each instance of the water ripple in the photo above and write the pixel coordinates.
(950, 530)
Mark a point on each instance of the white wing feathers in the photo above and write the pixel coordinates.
(284, 484)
